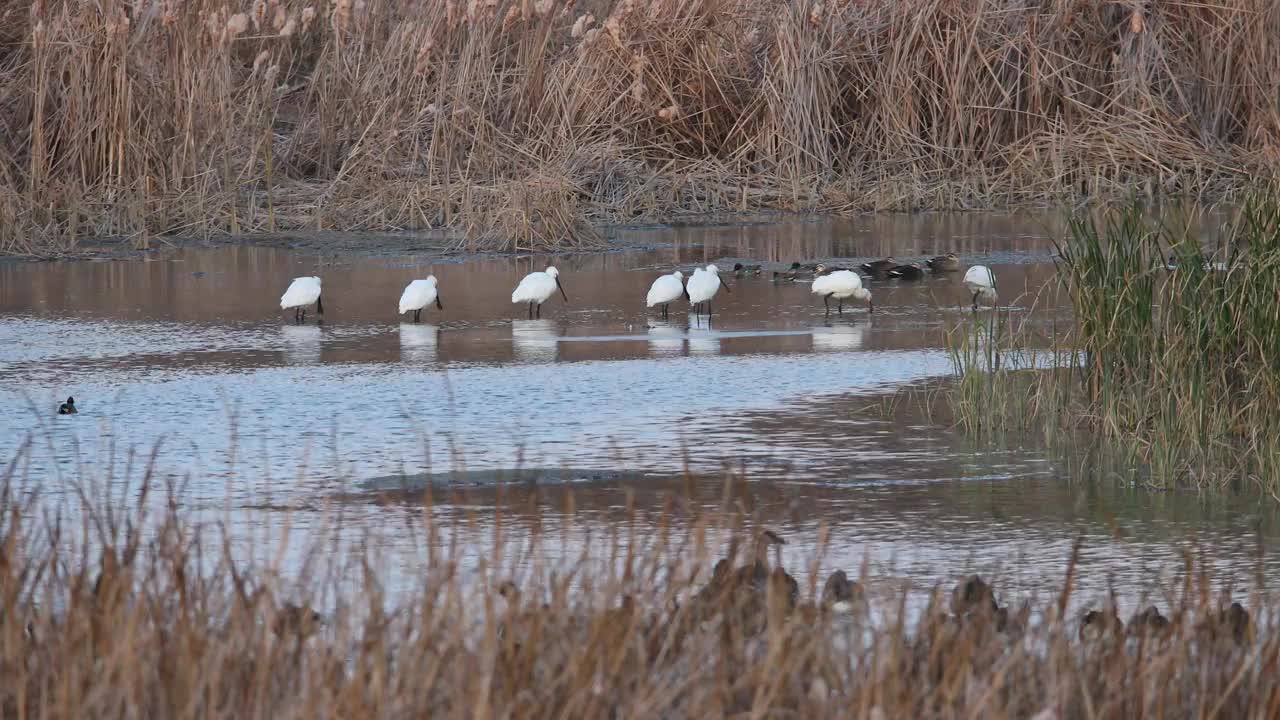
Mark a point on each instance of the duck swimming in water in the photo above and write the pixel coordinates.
(68, 407)
(842, 596)
(912, 271)
(878, 269)
(788, 275)
(944, 263)
(821, 269)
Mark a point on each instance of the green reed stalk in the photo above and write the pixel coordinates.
(1177, 346)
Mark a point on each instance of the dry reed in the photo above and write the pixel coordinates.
(113, 611)
(523, 125)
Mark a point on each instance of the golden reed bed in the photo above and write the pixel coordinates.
(111, 610)
(524, 125)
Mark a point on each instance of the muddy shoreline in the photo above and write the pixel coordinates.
(442, 244)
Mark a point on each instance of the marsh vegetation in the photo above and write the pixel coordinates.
(523, 125)
(1173, 356)
(128, 611)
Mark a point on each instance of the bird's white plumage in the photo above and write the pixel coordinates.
(418, 294)
(704, 284)
(981, 282)
(536, 287)
(666, 289)
(840, 284)
(302, 292)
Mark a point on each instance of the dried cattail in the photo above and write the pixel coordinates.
(262, 58)
(259, 15)
(580, 27)
(237, 24)
(543, 8)
(215, 24)
(290, 27)
(281, 17)
(815, 14)
(1136, 23)
(308, 16)
(614, 29)
(637, 91)
(669, 113)
(118, 23)
(269, 77)
(169, 14)
(341, 15)
(513, 14)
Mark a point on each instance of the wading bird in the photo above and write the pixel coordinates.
(536, 287)
(840, 285)
(302, 292)
(982, 283)
(666, 290)
(419, 294)
(703, 286)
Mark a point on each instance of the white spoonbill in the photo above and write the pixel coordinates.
(666, 290)
(703, 286)
(419, 294)
(302, 292)
(536, 287)
(982, 283)
(840, 285)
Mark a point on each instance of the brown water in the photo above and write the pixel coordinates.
(190, 352)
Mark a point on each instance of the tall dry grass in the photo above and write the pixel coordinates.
(109, 611)
(521, 124)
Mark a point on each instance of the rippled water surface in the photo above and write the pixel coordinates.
(189, 352)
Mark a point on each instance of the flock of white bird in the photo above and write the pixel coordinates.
(701, 287)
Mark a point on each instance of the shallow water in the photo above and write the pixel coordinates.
(191, 352)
